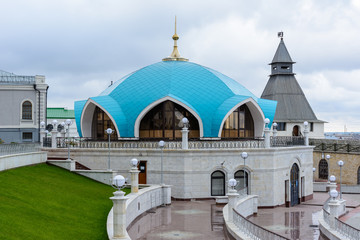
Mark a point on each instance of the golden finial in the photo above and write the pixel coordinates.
(175, 55)
(175, 36)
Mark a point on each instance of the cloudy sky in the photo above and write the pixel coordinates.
(83, 45)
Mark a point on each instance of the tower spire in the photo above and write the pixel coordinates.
(175, 55)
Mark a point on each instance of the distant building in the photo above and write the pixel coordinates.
(23, 102)
(61, 114)
(293, 109)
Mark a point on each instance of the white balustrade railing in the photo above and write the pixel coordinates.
(347, 230)
(252, 230)
(16, 148)
(326, 216)
(88, 143)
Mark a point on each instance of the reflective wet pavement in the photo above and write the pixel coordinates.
(298, 222)
(203, 220)
(181, 220)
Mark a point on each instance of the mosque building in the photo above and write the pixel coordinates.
(149, 105)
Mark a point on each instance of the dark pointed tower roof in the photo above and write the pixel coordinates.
(282, 55)
(285, 89)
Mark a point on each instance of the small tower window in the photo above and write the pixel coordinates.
(285, 67)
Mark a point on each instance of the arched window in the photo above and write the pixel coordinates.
(323, 169)
(27, 110)
(239, 124)
(217, 183)
(358, 176)
(239, 176)
(100, 123)
(164, 121)
(294, 184)
(296, 131)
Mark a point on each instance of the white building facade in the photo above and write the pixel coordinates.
(23, 102)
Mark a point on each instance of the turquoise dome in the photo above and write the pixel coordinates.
(210, 94)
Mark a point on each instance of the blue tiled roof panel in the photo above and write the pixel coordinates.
(78, 108)
(204, 90)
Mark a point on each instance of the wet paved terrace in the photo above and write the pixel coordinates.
(203, 220)
(181, 220)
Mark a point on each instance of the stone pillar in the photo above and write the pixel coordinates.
(62, 133)
(119, 215)
(274, 133)
(267, 137)
(185, 141)
(42, 135)
(134, 180)
(166, 191)
(233, 196)
(331, 186)
(334, 212)
(53, 138)
(306, 135)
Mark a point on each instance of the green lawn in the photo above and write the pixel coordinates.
(47, 202)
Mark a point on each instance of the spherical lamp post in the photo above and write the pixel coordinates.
(341, 164)
(134, 172)
(334, 194)
(109, 131)
(244, 156)
(119, 208)
(232, 196)
(185, 133)
(68, 122)
(314, 169)
(267, 133)
(232, 183)
(161, 146)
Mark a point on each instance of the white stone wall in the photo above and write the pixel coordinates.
(318, 131)
(189, 171)
(21, 159)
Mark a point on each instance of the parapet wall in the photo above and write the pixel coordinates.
(138, 203)
(21, 159)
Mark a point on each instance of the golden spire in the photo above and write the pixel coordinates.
(175, 55)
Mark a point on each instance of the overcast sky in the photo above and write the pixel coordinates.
(81, 46)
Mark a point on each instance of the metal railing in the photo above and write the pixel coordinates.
(15, 148)
(329, 145)
(253, 230)
(346, 230)
(10, 78)
(283, 141)
(128, 144)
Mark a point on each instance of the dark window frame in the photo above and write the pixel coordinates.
(323, 169)
(26, 110)
(27, 136)
(163, 121)
(281, 126)
(101, 122)
(239, 124)
(215, 178)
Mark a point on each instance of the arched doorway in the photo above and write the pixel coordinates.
(164, 121)
(239, 176)
(296, 131)
(294, 185)
(323, 169)
(239, 124)
(217, 183)
(358, 176)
